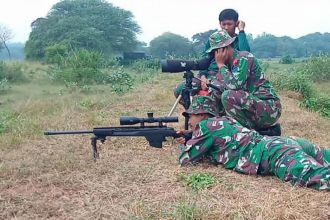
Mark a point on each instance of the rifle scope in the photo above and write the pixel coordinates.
(127, 120)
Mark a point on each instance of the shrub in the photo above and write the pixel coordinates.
(319, 102)
(56, 53)
(4, 85)
(287, 59)
(81, 67)
(12, 72)
(120, 81)
(6, 119)
(318, 68)
(146, 65)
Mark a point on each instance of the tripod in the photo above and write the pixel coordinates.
(185, 95)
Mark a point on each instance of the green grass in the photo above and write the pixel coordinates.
(199, 181)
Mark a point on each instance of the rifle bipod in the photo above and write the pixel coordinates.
(94, 146)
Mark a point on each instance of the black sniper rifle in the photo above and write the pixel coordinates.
(155, 134)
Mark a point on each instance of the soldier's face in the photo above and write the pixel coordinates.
(194, 120)
(229, 26)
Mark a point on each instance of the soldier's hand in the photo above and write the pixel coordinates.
(180, 140)
(221, 56)
(204, 82)
(184, 138)
(241, 25)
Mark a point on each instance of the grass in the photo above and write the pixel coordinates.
(199, 181)
(55, 177)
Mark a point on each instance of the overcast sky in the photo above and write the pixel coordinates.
(293, 18)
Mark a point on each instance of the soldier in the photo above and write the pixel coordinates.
(228, 21)
(222, 140)
(244, 92)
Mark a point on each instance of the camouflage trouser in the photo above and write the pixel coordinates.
(287, 159)
(249, 110)
(320, 154)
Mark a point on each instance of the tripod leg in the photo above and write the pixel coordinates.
(174, 106)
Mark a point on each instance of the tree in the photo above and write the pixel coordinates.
(90, 24)
(265, 46)
(200, 39)
(5, 36)
(170, 45)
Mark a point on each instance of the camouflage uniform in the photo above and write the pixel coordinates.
(222, 140)
(240, 43)
(248, 96)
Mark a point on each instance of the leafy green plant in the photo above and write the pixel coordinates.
(187, 211)
(4, 85)
(56, 53)
(6, 119)
(12, 72)
(319, 102)
(198, 181)
(299, 82)
(82, 67)
(286, 59)
(121, 82)
(317, 68)
(146, 65)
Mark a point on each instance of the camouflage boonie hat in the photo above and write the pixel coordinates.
(201, 105)
(220, 39)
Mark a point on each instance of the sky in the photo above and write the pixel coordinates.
(293, 18)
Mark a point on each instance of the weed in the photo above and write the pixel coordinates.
(187, 211)
(198, 181)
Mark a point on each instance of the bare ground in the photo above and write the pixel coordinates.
(56, 178)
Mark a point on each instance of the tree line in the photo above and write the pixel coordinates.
(97, 25)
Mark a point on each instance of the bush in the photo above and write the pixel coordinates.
(319, 102)
(318, 68)
(56, 53)
(295, 81)
(4, 85)
(12, 72)
(6, 120)
(287, 59)
(146, 65)
(301, 81)
(82, 67)
(121, 82)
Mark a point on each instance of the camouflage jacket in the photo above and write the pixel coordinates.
(245, 73)
(222, 140)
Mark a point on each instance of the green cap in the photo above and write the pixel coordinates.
(201, 105)
(220, 39)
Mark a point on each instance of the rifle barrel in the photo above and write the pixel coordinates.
(68, 132)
